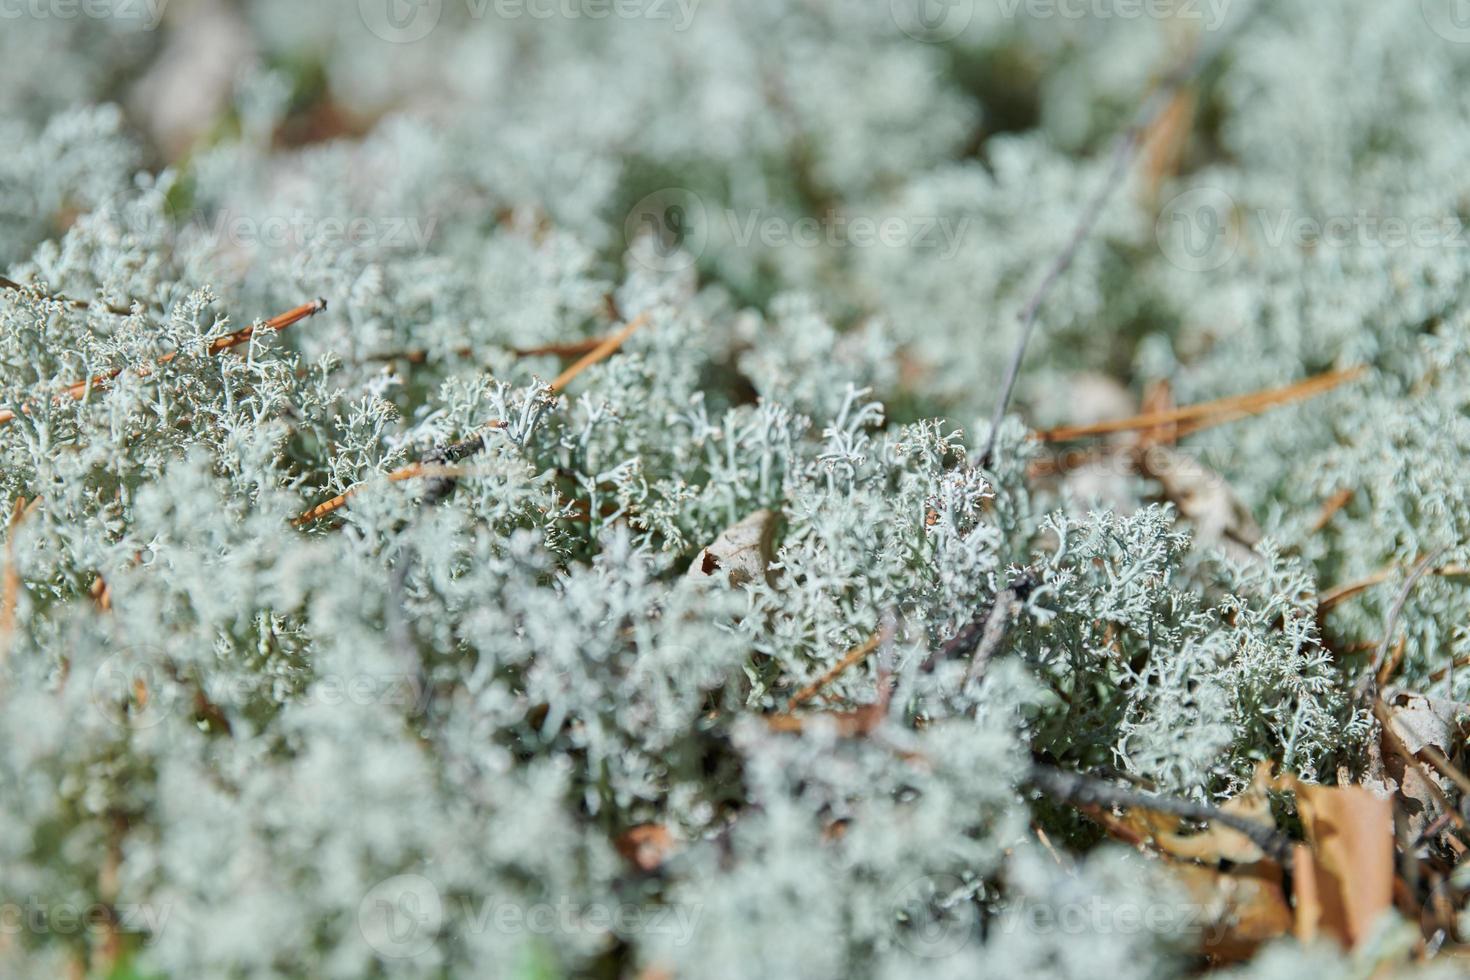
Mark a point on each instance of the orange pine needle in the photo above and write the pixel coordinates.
(572, 348)
(1341, 593)
(78, 390)
(603, 350)
(338, 502)
(1192, 418)
(599, 353)
(853, 656)
(1337, 595)
(1334, 504)
(575, 348)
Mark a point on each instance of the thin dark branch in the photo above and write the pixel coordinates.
(1003, 612)
(1081, 790)
(1125, 149)
(984, 632)
(1368, 687)
(439, 487)
(1390, 624)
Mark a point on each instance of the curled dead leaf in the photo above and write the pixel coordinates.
(743, 550)
(1218, 843)
(1420, 720)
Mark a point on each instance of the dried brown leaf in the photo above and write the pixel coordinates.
(743, 550)
(646, 846)
(1218, 843)
(1346, 881)
(1241, 909)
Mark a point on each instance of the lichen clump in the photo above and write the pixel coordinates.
(504, 711)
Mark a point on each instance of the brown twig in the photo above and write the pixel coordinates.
(1124, 151)
(1330, 508)
(984, 632)
(1370, 681)
(101, 593)
(338, 502)
(1081, 790)
(1339, 594)
(1154, 432)
(848, 724)
(79, 304)
(574, 348)
(853, 656)
(78, 390)
(1391, 665)
(1443, 672)
(468, 447)
(1193, 418)
(1446, 768)
(596, 355)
